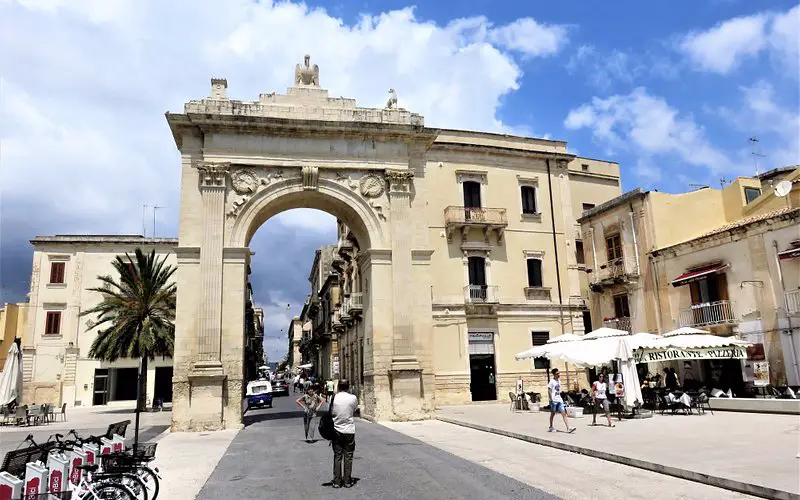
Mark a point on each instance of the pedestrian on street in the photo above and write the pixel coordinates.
(556, 402)
(344, 441)
(310, 402)
(330, 386)
(600, 399)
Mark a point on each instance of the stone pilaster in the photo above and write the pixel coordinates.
(213, 181)
(400, 186)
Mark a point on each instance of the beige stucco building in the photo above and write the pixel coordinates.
(13, 319)
(724, 260)
(466, 244)
(56, 365)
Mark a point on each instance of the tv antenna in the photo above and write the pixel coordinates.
(144, 225)
(155, 208)
(723, 181)
(756, 155)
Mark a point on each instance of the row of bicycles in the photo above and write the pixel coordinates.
(74, 467)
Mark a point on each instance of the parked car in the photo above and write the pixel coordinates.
(281, 387)
(259, 394)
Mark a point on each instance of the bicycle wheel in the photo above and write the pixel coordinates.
(108, 491)
(150, 480)
(135, 484)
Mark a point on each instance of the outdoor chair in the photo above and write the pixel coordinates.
(21, 415)
(63, 412)
(6, 415)
(513, 401)
(50, 412)
(672, 406)
(703, 402)
(39, 414)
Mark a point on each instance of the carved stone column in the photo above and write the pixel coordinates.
(213, 182)
(400, 184)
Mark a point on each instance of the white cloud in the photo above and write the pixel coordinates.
(603, 69)
(530, 37)
(83, 106)
(650, 129)
(776, 125)
(727, 45)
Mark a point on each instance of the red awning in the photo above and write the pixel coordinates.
(697, 274)
(789, 254)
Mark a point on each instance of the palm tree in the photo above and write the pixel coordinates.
(135, 318)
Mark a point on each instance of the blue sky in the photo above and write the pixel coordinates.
(671, 90)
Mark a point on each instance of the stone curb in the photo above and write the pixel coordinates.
(698, 477)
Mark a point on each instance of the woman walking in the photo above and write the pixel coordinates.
(310, 402)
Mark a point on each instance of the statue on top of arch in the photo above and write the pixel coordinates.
(305, 74)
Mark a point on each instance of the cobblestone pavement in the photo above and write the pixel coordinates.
(270, 459)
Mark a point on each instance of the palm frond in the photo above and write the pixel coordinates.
(136, 315)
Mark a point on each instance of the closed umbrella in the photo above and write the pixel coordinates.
(11, 378)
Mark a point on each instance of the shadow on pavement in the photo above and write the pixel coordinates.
(250, 419)
(130, 411)
(329, 484)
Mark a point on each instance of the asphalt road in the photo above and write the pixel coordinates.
(270, 459)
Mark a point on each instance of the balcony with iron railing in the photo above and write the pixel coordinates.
(792, 301)
(353, 304)
(481, 294)
(617, 269)
(621, 323)
(707, 314)
(465, 218)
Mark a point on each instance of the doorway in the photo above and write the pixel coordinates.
(163, 384)
(123, 384)
(100, 396)
(482, 374)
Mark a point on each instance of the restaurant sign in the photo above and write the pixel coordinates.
(656, 355)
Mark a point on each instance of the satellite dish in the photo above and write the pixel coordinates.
(783, 188)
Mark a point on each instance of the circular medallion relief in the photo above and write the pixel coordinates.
(244, 181)
(371, 186)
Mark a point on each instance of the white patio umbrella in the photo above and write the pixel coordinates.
(11, 377)
(686, 330)
(306, 366)
(549, 347)
(604, 332)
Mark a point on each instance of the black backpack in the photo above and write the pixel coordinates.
(326, 429)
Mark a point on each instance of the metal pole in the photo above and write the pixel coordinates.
(138, 407)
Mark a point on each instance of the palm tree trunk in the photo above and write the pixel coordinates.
(142, 389)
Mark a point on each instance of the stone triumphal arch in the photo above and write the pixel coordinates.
(243, 162)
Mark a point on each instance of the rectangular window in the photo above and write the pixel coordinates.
(529, 200)
(535, 273)
(621, 309)
(53, 323)
(750, 194)
(472, 194)
(477, 271)
(57, 272)
(588, 206)
(537, 339)
(579, 252)
(613, 247)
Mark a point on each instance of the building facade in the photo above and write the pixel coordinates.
(719, 260)
(56, 364)
(466, 243)
(13, 320)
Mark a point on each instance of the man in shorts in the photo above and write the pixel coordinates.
(600, 399)
(556, 402)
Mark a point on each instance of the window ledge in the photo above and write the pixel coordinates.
(52, 336)
(537, 217)
(56, 285)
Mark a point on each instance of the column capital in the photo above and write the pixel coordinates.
(212, 175)
(399, 181)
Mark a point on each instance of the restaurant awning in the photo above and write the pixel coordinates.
(698, 274)
(792, 253)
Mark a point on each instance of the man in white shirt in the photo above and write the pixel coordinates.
(600, 399)
(344, 442)
(556, 402)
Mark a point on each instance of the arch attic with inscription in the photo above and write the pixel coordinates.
(243, 162)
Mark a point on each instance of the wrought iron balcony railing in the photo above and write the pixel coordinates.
(481, 294)
(708, 313)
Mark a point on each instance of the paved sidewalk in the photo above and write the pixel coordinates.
(744, 451)
(187, 459)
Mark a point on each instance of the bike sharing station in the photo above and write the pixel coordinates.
(98, 467)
